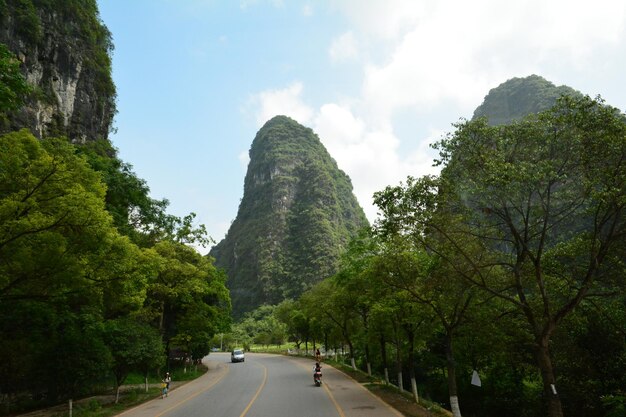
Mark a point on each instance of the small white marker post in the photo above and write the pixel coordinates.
(70, 407)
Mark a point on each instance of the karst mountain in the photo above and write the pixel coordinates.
(296, 216)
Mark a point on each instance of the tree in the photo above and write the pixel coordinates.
(64, 267)
(328, 301)
(135, 214)
(13, 86)
(133, 346)
(187, 299)
(431, 285)
(536, 211)
(298, 324)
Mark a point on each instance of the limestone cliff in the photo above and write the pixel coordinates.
(295, 218)
(65, 53)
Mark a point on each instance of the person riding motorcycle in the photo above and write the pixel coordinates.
(317, 374)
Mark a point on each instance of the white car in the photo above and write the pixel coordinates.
(237, 356)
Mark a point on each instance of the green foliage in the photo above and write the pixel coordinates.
(260, 326)
(144, 219)
(133, 345)
(615, 405)
(27, 22)
(187, 299)
(13, 86)
(75, 295)
(519, 97)
(296, 216)
(70, 29)
(62, 261)
(530, 213)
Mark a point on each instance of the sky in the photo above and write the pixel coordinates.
(377, 80)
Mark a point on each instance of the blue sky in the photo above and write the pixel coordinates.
(377, 80)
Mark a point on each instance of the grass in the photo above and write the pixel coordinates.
(132, 394)
(401, 401)
(271, 348)
(95, 407)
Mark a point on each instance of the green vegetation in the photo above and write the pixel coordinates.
(296, 217)
(509, 264)
(13, 86)
(73, 31)
(519, 97)
(81, 303)
(515, 271)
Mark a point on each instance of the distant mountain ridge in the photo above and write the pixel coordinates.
(296, 216)
(519, 97)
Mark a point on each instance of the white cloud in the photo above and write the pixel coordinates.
(343, 48)
(369, 155)
(285, 101)
(244, 159)
(384, 19)
(456, 51)
(307, 10)
(433, 57)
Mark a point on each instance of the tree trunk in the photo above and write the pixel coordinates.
(367, 360)
(146, 380)
(351, 349)
(398, 342)
(452, 388)
(411, 336)
(416, 396)
(550, 393)
(364, 315)
(399, 365)
(383, 352)
(117, 394)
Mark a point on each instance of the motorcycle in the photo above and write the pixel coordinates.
(317, 378)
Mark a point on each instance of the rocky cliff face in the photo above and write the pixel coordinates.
(519, 97)
(65, 53)
(296, 216)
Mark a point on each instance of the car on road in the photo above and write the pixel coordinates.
(237, 355)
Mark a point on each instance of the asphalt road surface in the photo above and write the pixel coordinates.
(266, 386)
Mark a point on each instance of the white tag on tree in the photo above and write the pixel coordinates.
(476, 379)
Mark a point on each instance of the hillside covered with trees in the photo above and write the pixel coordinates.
(518, 97)
(295, 219)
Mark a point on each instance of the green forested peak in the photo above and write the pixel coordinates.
(519, 97)
(297, 214)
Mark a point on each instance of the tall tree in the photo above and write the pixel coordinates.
(133, 346)
(187, 299)
(63, 267)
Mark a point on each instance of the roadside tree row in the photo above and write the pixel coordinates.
(508, 267)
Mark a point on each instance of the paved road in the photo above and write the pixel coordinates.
(266, 386)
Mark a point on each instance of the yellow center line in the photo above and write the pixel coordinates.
(330, 394)
(195, 394)
(339, 410)
(257, 392)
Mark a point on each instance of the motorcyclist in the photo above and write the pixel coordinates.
(317, 369)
